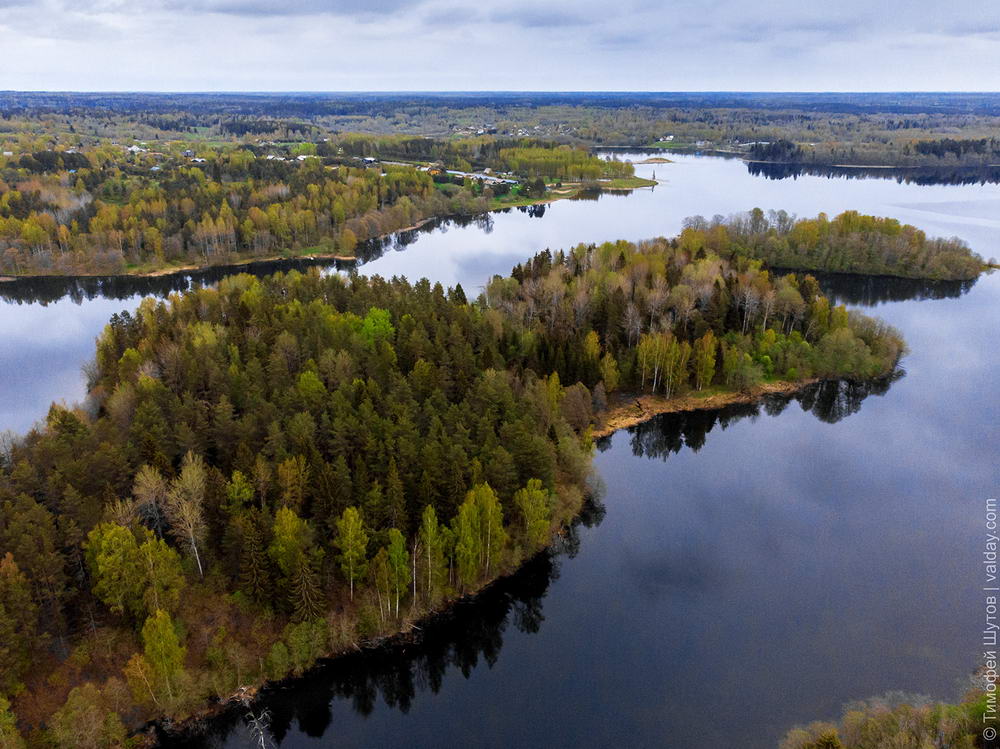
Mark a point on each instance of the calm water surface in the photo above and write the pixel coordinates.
(744, 571)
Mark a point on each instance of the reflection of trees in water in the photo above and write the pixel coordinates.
(829, 401)
(917, 175)
(869, 291)
(469, 634)
(78, 290)
(597, 194)
(533, 211)
(51, 289)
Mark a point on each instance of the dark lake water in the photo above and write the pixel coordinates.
(743, 571)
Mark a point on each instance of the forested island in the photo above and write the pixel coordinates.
(848, 243)
(273, 470)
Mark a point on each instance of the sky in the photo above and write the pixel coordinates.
(522, 45)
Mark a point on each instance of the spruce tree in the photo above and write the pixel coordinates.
(305, 593)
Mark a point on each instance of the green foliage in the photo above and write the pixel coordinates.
(292, 539)
(434, 543)
(399, 565)
(493, 536)
(279, 662)
(306, 593)
(691, 318)
(376, 327)
(848, 243)
(10, 737)
(163, 651)
(87, 721)
(299, 412)
(609, 373)
(239, 493)
(704, 360)
(130, 578)
(535, 505)
(254, 580)
(190, 212)
(562, 162)
(468, 542)
(306, 643)
(353, 544)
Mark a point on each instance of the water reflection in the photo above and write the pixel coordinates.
(829, 401)
(471, 634)
(845, 288)
(870, 291)
(917, 175)
(47, 289)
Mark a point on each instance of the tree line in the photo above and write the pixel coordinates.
(563, 163)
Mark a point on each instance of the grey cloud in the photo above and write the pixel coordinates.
(634, 44)
(540, 18)
(452, 15)
(272, 8)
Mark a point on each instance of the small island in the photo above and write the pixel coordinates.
(848, 243)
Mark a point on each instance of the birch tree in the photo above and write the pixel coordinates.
(353, 544)
(185, 505)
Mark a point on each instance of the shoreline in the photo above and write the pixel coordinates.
(632, 410)
(409, 633)
(240, 261)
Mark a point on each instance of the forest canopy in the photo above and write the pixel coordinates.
(272, 470)
(848, 243)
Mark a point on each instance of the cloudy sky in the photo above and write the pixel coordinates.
(350, 45)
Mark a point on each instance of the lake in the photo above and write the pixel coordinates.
(741, 572)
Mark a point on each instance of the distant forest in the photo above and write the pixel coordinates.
(913, 129)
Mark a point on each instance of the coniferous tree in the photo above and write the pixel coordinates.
(254, 577)
(305, 592)
(18, 625)
(395, 501)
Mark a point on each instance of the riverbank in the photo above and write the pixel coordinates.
(568, 191)
(626, 410)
